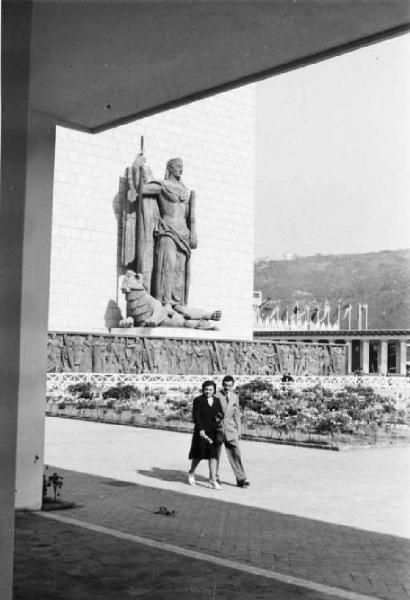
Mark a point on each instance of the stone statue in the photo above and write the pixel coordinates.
(133, 351)
(145, 311)
(159, 230)
(98, 354)
(54, 345)
(67, 358)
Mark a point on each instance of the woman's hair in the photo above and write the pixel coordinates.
(207, 383)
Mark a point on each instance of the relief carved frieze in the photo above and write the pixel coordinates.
(87, 353)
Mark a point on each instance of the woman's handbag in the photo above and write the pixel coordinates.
(220, 430)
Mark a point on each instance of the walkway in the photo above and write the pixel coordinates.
(336, 520)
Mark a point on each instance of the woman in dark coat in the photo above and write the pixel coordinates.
(207, 415)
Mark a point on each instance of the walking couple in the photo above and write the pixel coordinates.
(217, 420)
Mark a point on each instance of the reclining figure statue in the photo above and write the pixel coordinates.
(143, 310)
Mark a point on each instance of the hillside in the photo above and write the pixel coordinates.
(382, 279)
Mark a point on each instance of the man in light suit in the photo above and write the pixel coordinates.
(232, 430)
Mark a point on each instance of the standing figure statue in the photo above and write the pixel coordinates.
(159, 230)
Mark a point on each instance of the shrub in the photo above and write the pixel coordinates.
(83, 390)
(122, 392)
(249, 393)
(334, 422)
(55, 481)
(86, 405)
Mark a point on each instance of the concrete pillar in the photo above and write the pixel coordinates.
(16, 39)
(34, 311)
(24, 377)
(27, 167)
(403, 357)
(382, 357)
(349, 357)
(365, 356)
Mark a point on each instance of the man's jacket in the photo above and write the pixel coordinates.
(232, 415)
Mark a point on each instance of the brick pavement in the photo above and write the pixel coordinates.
(57, 561)
(335, 518)
(349, 558)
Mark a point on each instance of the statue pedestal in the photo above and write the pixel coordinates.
(170, 332)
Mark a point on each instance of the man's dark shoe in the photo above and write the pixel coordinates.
(243, 483)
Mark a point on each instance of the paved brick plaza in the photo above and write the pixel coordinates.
(334, 518)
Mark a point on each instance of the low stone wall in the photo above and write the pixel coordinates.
(93, 353)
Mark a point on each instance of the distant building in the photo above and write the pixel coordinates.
(382, 352)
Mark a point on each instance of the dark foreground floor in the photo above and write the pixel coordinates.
(56, 561)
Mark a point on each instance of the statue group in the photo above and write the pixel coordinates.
(118, 354)
(158, 236)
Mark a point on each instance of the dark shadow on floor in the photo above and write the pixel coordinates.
(57, 561)
(345, 557)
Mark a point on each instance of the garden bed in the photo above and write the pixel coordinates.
(315, 417)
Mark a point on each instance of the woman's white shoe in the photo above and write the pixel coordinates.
(191, 479)
(215, 485)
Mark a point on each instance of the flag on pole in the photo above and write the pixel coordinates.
(334, 316)
(300, 319)
(348, 309)
(313, 316)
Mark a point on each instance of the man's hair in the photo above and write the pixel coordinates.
(207, 383)
(228, 379)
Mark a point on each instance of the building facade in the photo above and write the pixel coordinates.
(382, 352)
(215, 138)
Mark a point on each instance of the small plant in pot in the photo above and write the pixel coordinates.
(55, 483)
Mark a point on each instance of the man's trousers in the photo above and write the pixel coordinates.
(234, 457)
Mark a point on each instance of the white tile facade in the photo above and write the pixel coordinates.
(216, 139)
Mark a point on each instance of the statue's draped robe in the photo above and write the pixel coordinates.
(152, 246)
(140, 214)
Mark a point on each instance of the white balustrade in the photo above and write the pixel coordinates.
(60, 381)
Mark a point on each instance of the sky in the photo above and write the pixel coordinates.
(333, 155)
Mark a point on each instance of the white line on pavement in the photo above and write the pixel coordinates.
(221, 562)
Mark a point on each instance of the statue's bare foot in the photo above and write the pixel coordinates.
(216, 315)
(169, 309)
(203, 324)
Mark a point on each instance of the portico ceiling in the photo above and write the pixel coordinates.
(98, 63)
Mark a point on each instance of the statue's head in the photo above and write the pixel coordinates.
(175, 167)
